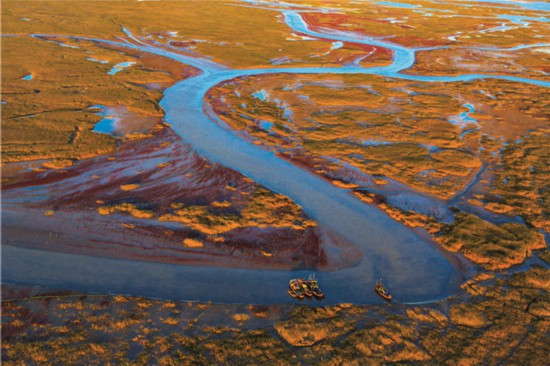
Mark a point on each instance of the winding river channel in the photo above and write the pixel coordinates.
(412, 268)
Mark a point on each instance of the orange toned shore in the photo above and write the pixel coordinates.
(504, 321)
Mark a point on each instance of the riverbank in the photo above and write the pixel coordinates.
(500, 320)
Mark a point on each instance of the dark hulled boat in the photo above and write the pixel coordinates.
(314, 287)
(295, 289)
(382, 291)
(299, 288)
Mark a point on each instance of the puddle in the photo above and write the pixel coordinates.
(120, 66)
(265, 125)
(397, 5)
(96, 60)
(464, 120)
(67, 45)
(337, 45)
(118, 121)
(262, 95)
(373, 142)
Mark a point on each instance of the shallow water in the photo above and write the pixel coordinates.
(108, 124)
(118, 121)
(196, 283)
(119, 67)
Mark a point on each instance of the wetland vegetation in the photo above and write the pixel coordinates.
(463, 162)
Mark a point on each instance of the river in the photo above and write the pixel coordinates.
(413, 269)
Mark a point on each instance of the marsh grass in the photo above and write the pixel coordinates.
(48, 117)
(234, 35)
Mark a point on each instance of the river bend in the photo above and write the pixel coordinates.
(414, 270)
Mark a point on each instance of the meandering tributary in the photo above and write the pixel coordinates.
(413, 269)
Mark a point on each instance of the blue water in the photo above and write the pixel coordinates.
(464, 119)
(96, 60)
(337, 45)
(262, 95)
(403, 57)
(107, 125)
(118, 67)
(265, 125)
(512, 49)
(375, 142)
(518, 19)
(67, 45)
(543, 6)
(397, 5)
(413, 269)
(288, 113)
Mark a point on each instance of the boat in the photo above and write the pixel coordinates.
(381, 290)
(295, 289)
(314, 287)
(305, 287)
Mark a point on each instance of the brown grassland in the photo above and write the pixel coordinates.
(478, 149)
(503, 322)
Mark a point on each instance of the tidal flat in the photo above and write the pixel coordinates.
(202, 154)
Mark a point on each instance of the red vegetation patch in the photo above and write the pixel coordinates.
(355, 24)
(170, 181)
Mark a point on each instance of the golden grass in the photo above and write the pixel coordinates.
(466, 316)
(417, 29)
(393, 128)
(427, 316)
(262, 209)
(129, 187)
(221, 204)
(234, 35)
(48, 117)
(127, 208)
(507, 323)
(241, 317)
(192, 243)
(339, 183)
(521, 180)
(58, 164)
(490, 245)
